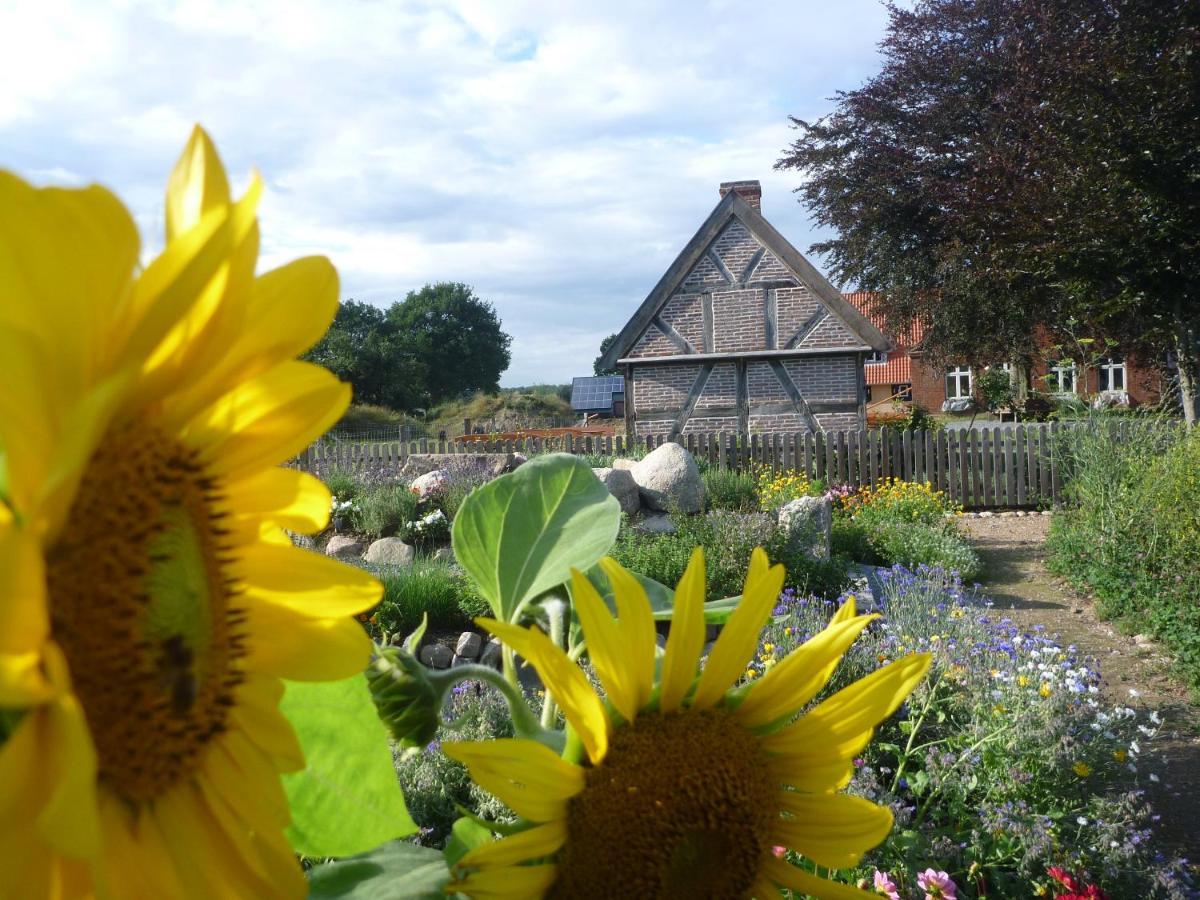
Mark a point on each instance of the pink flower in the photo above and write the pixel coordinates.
(885, 887)
(937, 885)
(779, 851)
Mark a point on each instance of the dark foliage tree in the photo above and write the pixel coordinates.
(1016, 163)
(455, 335)
(363, 348)
(604, 345)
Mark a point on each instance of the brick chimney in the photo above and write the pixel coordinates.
(750, 191)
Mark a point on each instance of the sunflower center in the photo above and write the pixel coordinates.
(681, 806)
(140, 604)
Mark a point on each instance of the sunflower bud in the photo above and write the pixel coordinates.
(406, 698)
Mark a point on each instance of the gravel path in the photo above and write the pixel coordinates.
(1015, 577)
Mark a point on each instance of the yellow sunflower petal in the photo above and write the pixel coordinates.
(197, 185)
(788, 876)
(256, 713)
(33, 407)
(287, 497)
(564, 681)
(535, 843)
(25, 858)
(245, 778)
(739, 638)
(269, 418)
(135, 862)
(527, 776)
(24, 618)
(635, 624)
(814, 753)
(311, 649)
(612, 658)
(304, 581)
(507, 883)
(833, 830)
(685, 640)
(791, 683)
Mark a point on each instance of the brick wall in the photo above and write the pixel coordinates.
(928, 386)
(685, 313)
(793, 307)
(739, 321)
(763, 386)
(830, 333)
(736, 247)
(825, 378)
(661, 387)
(654, 343)
(720, 391)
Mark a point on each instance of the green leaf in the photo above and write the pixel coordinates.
(347, 800)
(716, 612)
(396, 871)
(661, 597)
(521, 534)
(466, 834)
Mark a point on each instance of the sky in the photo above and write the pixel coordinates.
(555, 156)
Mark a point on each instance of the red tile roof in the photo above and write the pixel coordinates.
(898, 367)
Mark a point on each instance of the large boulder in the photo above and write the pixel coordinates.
(621, 485)
(807, 524)
(492, 464)
(624, 463)
(345, 546)
(669, 480)
(390, 551)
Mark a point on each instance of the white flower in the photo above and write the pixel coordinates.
(1155, 717)
(1134, 748)
(1133, 693)
(1154, 778)
(1082, 820)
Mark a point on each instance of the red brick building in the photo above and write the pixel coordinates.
(1118, 378)
(742, 334)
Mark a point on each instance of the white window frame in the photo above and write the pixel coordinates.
(956, 373)
(1108, 367)
(876, 358)
(1057, 372)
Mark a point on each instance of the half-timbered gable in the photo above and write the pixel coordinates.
(742, 334)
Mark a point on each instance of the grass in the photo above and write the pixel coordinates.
(425, 588)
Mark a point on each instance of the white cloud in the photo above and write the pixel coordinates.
(556, 156)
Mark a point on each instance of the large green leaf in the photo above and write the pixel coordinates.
(347, 800)
(396, 871)
(522, 534)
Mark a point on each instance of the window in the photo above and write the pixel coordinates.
(1112, 375)
(902, 392)
(959, 383)
(877, 358)
(1062, 378)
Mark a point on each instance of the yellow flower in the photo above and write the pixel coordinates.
(1120, 755)
(150, 601)
(1022, 680)
(1044, 690)
(1082, 769)
(678, 786)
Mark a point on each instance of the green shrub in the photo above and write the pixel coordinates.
(386, 509)
(915, 544)
(852, 539)
(343, 485)
(429, 588)
(1131, 532)
(727, 489)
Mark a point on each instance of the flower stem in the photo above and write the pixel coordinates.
(525, 723)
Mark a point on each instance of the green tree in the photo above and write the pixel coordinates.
(363, 348)
(1016, 163)
(604, 345)
(455, 336)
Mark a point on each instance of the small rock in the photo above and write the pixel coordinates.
(1007, 514)
(516, 460)
(444, 555)
(621, 485)
(491, 655)
(469, 644)
(986, 514)
(390, 551)
(461, 661)
(431, 483)
(1021, 513)
(344, 546)
(1046, 512)
(436, 656)
(303, 541)
(1143, 640)
(656, 525)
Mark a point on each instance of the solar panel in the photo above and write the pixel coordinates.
(589, 394)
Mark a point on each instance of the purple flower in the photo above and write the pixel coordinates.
(937, 885)
(885, 887)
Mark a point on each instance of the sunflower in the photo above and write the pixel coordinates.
(150, 600)
(678, 785)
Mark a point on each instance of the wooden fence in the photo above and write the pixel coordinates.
(985, 467)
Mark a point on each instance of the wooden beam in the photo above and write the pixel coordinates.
(680, 342)
(798, 401)
(706, 306)
(720, 264)
(748, 273)
(630, 418)
(771, 318)
(790, 353)
(743, 398)
(807, 328)
(692, 399)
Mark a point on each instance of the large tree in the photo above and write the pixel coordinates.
(455, 335)
(604, 345)
(363, 348)
(1016, 163)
